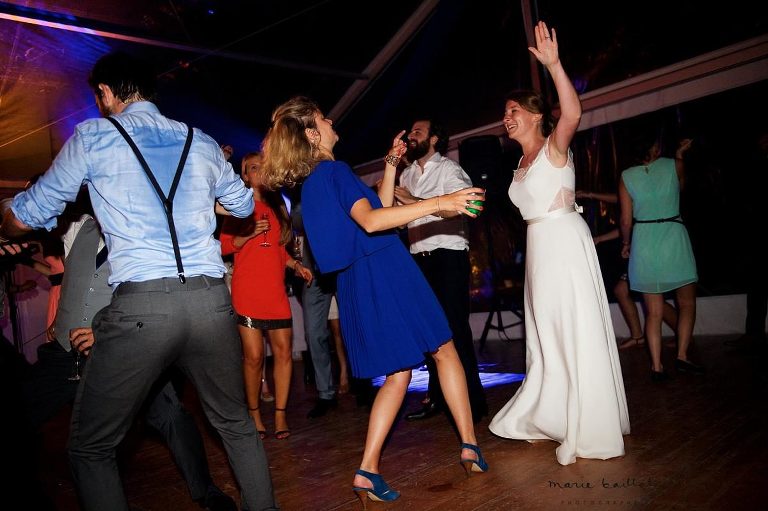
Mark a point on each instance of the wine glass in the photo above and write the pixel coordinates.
(264, 242)
(76, 365)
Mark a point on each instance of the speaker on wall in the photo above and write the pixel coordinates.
(482, 158)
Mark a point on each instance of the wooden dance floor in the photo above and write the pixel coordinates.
(697, 443)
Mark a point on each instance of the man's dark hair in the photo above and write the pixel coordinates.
(437, 129)
(127, 76)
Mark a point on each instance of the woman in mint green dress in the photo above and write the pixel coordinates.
(659, 250)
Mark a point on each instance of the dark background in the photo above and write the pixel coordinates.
(457, 64)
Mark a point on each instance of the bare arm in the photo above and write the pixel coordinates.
(610, 235)
(386, 189)
(219, 209)
(300, 270)
(381, 219)
(570, 107)
(685, 144)
(612, 198)
(625, 220)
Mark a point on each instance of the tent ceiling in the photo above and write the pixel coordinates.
(225, 64)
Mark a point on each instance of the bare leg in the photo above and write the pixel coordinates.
(388, 401)
(266, 395)
(669, 316)
(686, 306)
(281, 342)
(629, 312)
(654, 304)
(341, 353)
(453, 383)
(253, 362)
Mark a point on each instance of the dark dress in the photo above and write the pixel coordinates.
(390, 318)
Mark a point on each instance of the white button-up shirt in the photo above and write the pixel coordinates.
(439, 176)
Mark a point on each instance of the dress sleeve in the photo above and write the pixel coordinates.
(349, 188)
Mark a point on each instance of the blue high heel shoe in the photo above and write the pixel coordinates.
(381, 492)
(470, 465)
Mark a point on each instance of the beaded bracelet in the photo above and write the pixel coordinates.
(392, 159)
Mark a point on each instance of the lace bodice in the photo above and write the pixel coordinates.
(541, 187)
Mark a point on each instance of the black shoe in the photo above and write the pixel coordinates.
(659, 376)
(428, 410)
(217, 500)
(321, 408)
(686, 366)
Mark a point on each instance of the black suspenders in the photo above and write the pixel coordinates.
(167, 201)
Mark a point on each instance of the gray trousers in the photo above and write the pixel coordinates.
(48, 390)
(315, 303)
(148, 327)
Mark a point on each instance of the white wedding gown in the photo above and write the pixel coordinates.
(573, 391)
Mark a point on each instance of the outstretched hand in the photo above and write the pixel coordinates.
(546, 45)
(459, 201)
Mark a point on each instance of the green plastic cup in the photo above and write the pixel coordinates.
(473, 210)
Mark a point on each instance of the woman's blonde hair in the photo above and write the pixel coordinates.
(289, 156)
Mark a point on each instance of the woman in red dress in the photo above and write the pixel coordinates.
(258, 292)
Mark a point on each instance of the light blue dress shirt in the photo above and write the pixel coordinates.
(130, 213)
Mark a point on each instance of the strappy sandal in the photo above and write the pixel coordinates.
(632, 342)
(262, 433)
(283, 433)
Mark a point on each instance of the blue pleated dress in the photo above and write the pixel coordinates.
(390, 318)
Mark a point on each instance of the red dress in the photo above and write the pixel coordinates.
(258, 277)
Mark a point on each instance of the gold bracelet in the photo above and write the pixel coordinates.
(392, 159)
(438, 205)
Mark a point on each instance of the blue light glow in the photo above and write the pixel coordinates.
(489, 378)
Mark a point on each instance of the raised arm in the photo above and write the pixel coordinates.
(546, 52)
(682, 148)
(386, 188)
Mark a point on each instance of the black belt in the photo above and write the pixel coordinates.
(675, 218)
(168, 284)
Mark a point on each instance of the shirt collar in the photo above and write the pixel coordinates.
(435, 158)
(141, 106)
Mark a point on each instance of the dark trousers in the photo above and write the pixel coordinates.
(148, 327)
(315, 304)
(49, 389)
(447, 272)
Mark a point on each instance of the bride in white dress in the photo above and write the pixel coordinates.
(573, 391)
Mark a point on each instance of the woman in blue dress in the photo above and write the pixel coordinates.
(390, 318)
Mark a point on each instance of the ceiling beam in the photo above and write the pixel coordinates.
(718, 71)
(82, 26)
(381, 61)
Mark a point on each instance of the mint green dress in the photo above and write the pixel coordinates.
(661, 258)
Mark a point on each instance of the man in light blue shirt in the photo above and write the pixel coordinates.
(170, 305)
